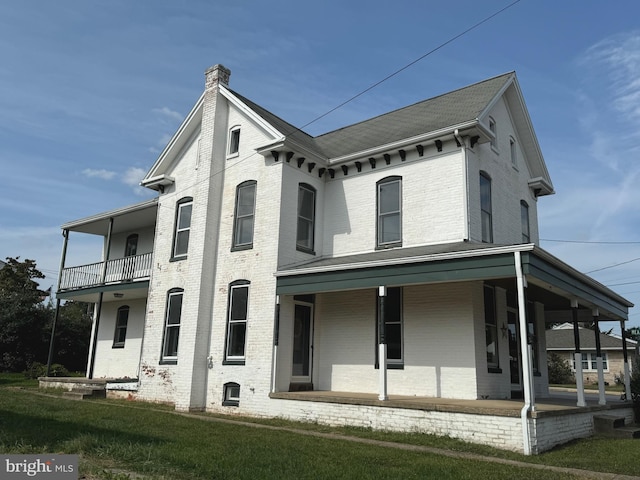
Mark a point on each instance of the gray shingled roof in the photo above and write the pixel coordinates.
(448, 110)
(562, 339)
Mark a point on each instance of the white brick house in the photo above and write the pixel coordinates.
(396, 257)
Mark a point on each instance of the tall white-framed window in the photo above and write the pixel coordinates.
(485, 208)
(120, 334)
(172, 326)
(237, 314)
(244, 215)
(524, 220)
(513, 152)
(493, 127)
(234, 142)
(183, 228)
(491, 329)
(389, 212)
(306, 218)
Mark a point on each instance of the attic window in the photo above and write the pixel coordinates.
(234, 141)
(514, 153)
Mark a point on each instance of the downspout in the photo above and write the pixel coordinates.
(465, 179)
(529, 401)
(94, 341)
(276, 340)
(65, 234)
(382, 345)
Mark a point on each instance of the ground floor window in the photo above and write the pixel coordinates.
(231, 396)
(392, 327)
(589, 362)
(491, 328)
(120, 335)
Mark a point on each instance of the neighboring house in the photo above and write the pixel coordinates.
(561, 340)
(395, 256)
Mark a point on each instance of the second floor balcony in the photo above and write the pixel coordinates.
(126, 269)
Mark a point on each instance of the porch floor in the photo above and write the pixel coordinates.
(558, 403)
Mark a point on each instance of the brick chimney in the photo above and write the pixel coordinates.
(216, 75)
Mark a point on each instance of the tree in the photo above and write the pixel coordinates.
(23, 317)
(559, 370)
(73, 332)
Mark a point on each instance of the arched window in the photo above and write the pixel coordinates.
(183, 228)
(231, 395)
(120, 334)
(237, 316)
(172, 326)
(389, 212)
(244, 215)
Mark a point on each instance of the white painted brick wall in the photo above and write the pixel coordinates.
(119, 362)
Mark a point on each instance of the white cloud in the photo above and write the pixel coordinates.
(103, 174)
(167, 112)
(132, 177)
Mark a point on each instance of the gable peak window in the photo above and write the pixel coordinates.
(513, 149)
(244, 216)
(389, 212)
(234, 141)
(183, 228)
(306, 217)
(485, 208)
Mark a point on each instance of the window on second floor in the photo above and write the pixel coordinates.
(234, 141)
(306, 217)
(389, 212)
(120, 334)
(131, 246)
(524, 218)
(244, 216)
(485, 208)
(183, 227)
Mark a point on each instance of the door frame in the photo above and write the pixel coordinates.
(303, 378)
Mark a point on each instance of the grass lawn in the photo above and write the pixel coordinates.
(152, 441)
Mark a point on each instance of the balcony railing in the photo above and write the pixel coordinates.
(118, 270)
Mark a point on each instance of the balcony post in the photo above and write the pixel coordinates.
(65, 234)
(98, 312)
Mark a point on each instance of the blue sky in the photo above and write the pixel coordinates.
(90, 92)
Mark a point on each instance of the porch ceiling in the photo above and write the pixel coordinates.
(125, 219)
(112, 293)
(551, 281)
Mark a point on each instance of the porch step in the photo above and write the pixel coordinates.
(614, 426)
(82, 393)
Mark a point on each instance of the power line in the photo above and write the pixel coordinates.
(589, 242)
(371, 87)
(614, 265)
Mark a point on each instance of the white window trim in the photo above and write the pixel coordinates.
(171, 358)
(513, 151)
(236, 358)
(591, 360)
(179, 230)
(379, 241)
(232, 130)
(311, 221)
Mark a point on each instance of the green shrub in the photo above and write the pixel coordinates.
(559, 369)
(37, 369)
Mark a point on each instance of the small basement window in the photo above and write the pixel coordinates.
(231, 396)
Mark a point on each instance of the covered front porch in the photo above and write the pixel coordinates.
(446, 324)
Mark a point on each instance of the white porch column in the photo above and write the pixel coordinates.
(382, 346)
(602, 399)
(577, 356)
